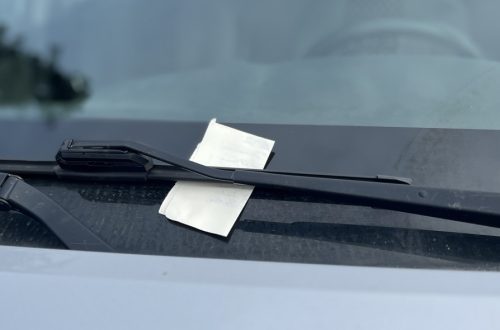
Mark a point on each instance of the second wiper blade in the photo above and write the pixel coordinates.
(476, 207)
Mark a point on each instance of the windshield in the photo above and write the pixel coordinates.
(155, 72)
(381, 63)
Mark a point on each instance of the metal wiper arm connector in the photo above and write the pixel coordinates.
(17, 195)
(467, 206)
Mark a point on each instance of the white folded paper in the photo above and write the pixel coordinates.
(214, 207)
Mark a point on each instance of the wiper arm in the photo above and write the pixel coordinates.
(17, 195)
(123, 160)
(483, 208)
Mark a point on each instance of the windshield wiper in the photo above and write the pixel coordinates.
(121, 160)
(17, 195)
(88, 159)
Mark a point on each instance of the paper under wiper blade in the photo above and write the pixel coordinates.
(467, 206)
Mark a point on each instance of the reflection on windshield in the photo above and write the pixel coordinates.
(428, 63)
(26, 77)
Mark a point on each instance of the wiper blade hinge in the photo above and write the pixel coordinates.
(84, 156)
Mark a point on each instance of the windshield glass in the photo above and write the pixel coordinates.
(382, 63)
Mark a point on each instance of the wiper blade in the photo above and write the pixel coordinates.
(87, 158)
(119, 160)
(17, 195)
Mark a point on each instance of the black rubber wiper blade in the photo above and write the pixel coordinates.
(157, 173)
(17, 195)
(475, 207)
(111, 161)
